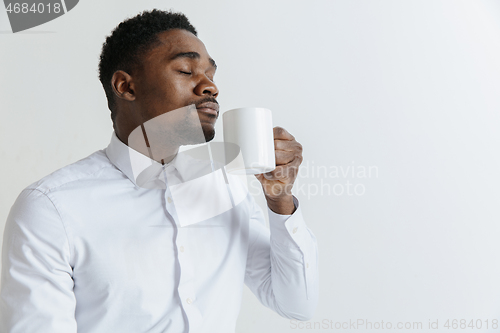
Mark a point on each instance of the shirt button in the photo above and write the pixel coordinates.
(181, 248)
(294, 230)
(307, 265)
(169, 199)
(189, 301)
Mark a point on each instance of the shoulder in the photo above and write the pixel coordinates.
(42, 199)
(86, 169)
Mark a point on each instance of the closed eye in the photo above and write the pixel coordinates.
(186, 73)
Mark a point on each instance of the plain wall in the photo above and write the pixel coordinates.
(408, 91)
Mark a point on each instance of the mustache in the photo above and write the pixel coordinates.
(205, 100)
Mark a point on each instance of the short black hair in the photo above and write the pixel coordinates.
(123, 49)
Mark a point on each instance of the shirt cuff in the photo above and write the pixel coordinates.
(288, 229)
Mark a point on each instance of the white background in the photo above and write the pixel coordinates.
(411, 87)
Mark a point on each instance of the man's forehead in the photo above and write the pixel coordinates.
(181, 41)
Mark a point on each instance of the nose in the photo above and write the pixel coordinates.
(206, 87)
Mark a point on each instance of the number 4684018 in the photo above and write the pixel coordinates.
(34, 8)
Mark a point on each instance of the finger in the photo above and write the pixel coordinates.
(284, 157)
(283, 172)
(282, 134)
(289, 145)
(276, 174)
(296, 161)
(289, 170)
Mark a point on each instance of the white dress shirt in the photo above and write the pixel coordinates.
(93, 248)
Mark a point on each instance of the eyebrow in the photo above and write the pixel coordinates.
(193, 55)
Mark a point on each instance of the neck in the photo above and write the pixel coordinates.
(149, 146)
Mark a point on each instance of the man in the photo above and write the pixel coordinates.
(100, 246)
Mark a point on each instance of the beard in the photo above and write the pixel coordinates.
(209, 133)
(159, 136)
(192, 130)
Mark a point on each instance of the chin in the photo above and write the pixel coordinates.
(208, 131)
(209, 134)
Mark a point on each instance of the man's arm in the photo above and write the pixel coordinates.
(282, 264)
(282, 267)
(36, 287)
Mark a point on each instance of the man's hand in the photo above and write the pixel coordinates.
(277, 184)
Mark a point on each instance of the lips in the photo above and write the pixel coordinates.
(209, 108)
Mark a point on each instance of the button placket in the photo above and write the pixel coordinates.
(186, 288)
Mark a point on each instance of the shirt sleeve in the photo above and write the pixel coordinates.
(36, 292)
(282, 263)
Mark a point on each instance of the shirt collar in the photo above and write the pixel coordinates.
(139, 168)
(147, 173)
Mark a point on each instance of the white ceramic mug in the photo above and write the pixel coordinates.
(251, 129)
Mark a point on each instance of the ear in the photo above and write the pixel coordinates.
(123, 85)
